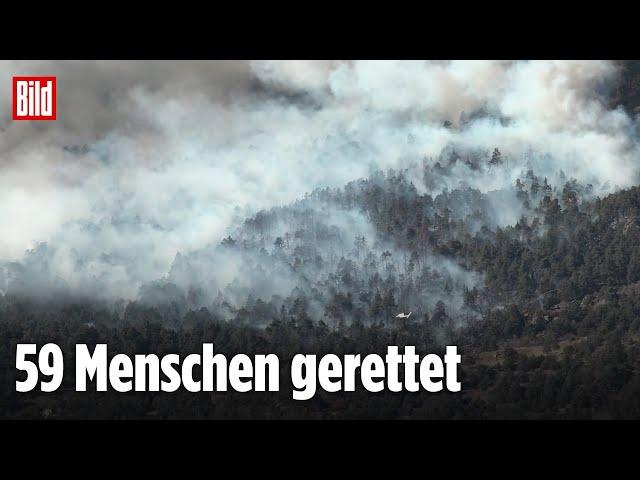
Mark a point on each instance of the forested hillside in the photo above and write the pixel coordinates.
(544, 311)
(333, 207)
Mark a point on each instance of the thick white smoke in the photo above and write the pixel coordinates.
(149, 159)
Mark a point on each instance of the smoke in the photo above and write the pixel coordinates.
(152, 159)
(317, 250)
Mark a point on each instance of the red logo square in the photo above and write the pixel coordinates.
(34, 98)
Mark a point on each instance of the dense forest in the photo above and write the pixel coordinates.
(537, 283)
(544, 312)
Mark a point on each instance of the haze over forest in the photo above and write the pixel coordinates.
(154, 163)
(300, 206)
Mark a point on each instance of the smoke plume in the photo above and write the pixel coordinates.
(149, 160)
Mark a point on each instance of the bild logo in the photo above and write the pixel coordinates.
(34, 98)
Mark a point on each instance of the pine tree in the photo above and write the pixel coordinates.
(496, 157)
